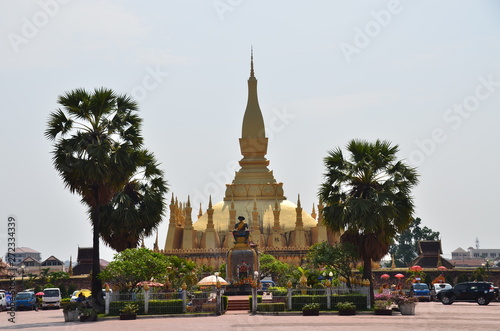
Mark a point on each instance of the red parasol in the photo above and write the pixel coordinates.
(442, 268)
(416, 268)
(385, 276)
(399, 275)
(40, 293)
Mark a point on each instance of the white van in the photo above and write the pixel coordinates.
(3, 301)
(51, 298)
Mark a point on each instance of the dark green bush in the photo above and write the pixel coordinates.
(259, 299)
(225, 300)
(271, 306)
(154, 307)
(278, 291)
(298, 301)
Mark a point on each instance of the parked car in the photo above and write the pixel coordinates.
(437, 287)
(267, 284)
(73, 296)
(481, 292)
(25, 300)
(52, 298)
(3, 301)
(420, 291)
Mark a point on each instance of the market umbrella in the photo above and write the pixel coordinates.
(416, 268)
(212, 280)
(399, 275)
(442, 268)
(385, 276)
(149, 283)
(40, 293)
(86, 293)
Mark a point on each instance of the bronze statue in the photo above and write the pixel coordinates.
(241, 230)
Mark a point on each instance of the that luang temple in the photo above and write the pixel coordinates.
(277, 226)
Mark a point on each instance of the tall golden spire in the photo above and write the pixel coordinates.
(253, 146)
(253, 122)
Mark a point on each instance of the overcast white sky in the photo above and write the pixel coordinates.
(422, 74)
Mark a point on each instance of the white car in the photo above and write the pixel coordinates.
(438, 287)
(73, 296)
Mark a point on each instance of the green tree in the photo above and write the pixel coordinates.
(405, 244)
(339, 259)
(134, 265)
(367, 195)
(180, 270)
(44, 276)
(55, 276)
(280, 272)
(97, 151)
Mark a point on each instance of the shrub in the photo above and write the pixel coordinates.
(345, 306)
(154, 307)
(271, 306)
(382, 304)
(311, 306)
(259, 300)
(69, 306)
(278, 291)
(402, 299)
(129, 308)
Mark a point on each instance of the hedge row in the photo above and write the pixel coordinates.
(154, 307)
(300, 300)
(271, 306)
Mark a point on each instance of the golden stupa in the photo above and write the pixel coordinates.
(277, 226)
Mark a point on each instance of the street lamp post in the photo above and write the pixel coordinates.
(218, 300)
(21, 271)
(254, 292)
(487, 265)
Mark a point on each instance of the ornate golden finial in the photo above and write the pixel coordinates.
(155, 246)
(313, 213)
(251, 62)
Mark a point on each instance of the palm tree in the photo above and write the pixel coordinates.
(367, 195)
(97, 150)
(136, 211)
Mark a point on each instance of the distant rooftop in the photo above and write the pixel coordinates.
(25, 250)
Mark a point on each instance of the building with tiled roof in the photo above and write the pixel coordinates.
(429, 255)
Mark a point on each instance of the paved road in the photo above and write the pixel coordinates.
(429, 316)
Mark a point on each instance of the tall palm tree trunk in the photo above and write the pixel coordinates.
(97, 299)
(367, 274)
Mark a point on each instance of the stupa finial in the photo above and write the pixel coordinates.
(251, 62)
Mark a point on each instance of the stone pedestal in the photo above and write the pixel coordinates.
(242, 262)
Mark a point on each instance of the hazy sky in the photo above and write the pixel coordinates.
(422, 74)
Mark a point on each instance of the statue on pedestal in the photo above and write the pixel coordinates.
(241, 232)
